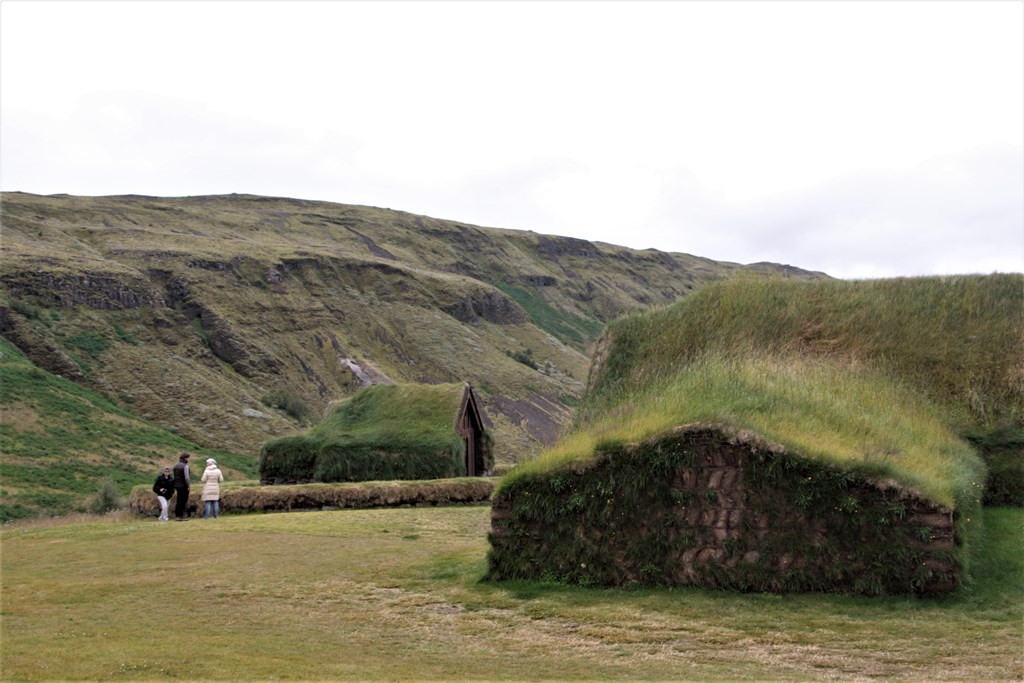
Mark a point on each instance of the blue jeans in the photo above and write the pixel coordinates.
(211, 505)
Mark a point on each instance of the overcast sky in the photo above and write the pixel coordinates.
(863, 139)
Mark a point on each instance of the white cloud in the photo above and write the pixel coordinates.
(951, 214)
(806, 133)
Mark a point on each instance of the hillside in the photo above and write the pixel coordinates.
(60, 441)
(231, 320)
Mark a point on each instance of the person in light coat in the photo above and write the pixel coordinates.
(212, 478)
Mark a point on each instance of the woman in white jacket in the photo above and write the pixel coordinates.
(212, 478)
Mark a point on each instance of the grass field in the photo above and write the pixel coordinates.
(395, 594)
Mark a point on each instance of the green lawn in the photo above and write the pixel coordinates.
(395, 594)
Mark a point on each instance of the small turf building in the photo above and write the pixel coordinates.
(781, 436)
(387, 432)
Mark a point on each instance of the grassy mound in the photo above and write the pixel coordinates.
(957, 340)
(866, 390)
(851, 418)
(383, 432)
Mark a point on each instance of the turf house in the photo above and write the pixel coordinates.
(782, 436)
(386, 432)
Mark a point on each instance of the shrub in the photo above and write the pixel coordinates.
(123, 335)
(524, 356)
(107, 498)
(26, 309)
(290, 404)
(91, 343)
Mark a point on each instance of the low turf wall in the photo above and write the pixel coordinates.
(251, 498)
(704, 508)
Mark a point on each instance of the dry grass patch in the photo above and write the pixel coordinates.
(20, 418)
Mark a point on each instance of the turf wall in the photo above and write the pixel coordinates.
(328, 496)
(702, 507)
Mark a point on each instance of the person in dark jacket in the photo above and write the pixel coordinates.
(163, 487)
(181, 486)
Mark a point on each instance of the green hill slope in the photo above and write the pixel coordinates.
(959, 339)
(232, 320)
(59, 440)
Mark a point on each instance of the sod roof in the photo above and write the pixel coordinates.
(879, 377)
(958, 339)
(395, 414)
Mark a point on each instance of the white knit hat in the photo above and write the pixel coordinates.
(211, 461)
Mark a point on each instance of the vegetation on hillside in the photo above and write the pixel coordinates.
(235, 319)
(958, 339)
(60, 443)
(200, 312)
(577, 330)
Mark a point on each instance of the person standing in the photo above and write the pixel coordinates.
(212, 478)
(163, 487)
(181, 487)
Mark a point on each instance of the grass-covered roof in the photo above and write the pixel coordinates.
(958, 339)
(880, 377)
(417, 415)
